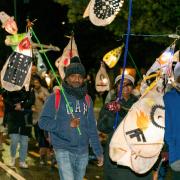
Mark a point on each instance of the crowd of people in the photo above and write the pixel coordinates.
(63, 122)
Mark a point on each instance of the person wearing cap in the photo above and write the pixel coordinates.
(71, 136)
(113, 92)
(107, 124)
(172, 123)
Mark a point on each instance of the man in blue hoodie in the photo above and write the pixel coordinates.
(73, 126)
(172, 123)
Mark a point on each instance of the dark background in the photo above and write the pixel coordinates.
(92, 41)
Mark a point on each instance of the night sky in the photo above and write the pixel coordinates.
(49, 26)
(52, 26)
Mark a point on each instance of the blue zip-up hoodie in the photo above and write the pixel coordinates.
(58, 124)
(172, 124)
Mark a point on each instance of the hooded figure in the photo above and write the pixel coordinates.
(74, 79)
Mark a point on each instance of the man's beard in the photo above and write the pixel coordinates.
(76, 85)
(78, 92)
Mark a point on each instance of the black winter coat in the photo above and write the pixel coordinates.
(112, 171)
(19, 122)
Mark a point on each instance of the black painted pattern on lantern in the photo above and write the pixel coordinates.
(136, 133)
(106, 8)
(154, 111)
(17, 68)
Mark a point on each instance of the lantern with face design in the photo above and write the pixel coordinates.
(8, 23)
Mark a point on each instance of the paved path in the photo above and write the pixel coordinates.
(37, 172)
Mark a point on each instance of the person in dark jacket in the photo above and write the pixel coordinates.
(19, 122)
(107, 124)
(70, 135)
(91, 86)
(172, 123)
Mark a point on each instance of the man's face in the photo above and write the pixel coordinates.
(33, 70)
(75, 80)
(37, 84)
(127, 87)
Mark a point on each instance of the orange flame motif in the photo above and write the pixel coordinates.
(142, 120)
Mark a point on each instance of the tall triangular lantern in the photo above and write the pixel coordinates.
(163, 61)
(64, 60)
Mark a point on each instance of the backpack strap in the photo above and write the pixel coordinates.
(87, 99)
(57, 98)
